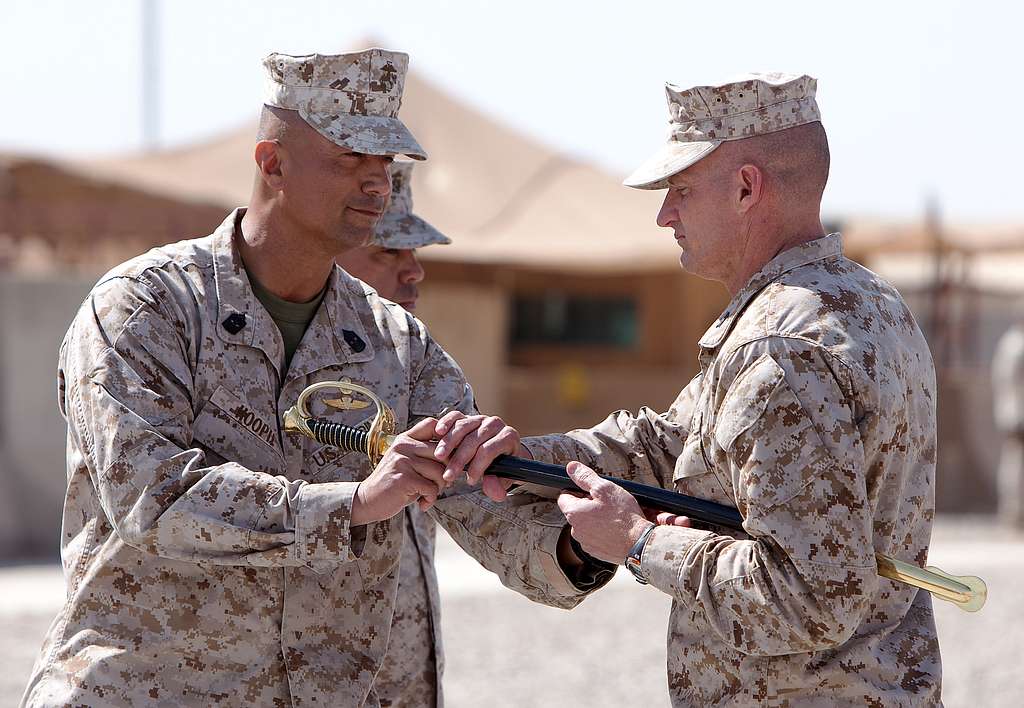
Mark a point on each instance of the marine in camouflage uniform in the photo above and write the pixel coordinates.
(1008, 397)
(814, 414)
(413, 667)
(208, 557)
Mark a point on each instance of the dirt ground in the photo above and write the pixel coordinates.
(505, 651)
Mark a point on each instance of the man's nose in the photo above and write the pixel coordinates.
(377, 176)
(412, 270)
(668, 214)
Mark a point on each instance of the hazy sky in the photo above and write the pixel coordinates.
(918, 98)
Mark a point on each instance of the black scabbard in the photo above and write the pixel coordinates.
(545, 474)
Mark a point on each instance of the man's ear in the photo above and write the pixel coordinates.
(751, 187)
(268, 160)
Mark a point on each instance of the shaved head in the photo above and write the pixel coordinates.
(795, 160)
(277, 123)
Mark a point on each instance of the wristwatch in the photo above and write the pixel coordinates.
(636, 552)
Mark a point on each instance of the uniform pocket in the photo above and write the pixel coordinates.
(746, 400)
(233, 431)
(765, 439)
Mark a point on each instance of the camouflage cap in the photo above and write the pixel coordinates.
(351, 99)
(398, 226)
(703, 117)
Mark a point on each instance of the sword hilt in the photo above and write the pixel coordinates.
(373, 442)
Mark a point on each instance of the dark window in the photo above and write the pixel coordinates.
(558, 318)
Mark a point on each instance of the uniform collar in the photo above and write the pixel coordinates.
(336, 334)
(817, 250)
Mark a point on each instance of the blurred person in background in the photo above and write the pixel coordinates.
(1008, 395)
(813, 413)
(413, 668)
(208, 557)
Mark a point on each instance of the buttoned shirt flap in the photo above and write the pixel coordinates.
(763, 467)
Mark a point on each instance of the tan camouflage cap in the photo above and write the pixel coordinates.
(398, 226)
(351, 99)
(703, 117)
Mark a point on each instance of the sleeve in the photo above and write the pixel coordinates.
(127, 370)
(786, 436)
(641, 447)
(516, 539)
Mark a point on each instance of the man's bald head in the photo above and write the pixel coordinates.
(795, 161)
(279, 123)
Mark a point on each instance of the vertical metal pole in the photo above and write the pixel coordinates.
(150, 75)
(939, 316)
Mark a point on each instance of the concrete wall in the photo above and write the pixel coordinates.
(34, 314)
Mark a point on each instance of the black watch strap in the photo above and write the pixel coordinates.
(636, 554)
(594, 572)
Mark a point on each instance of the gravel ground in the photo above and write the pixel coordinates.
(610, 651)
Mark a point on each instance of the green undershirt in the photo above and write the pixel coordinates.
(292, 318)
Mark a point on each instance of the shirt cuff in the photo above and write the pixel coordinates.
(324, 535)
(666, 550)
(582, 581)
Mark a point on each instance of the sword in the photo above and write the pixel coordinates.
(968, 592)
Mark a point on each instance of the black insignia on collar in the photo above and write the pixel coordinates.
(234, 323)
(353, 340)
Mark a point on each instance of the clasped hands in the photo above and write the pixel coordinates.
(433, 455)
(430, 457)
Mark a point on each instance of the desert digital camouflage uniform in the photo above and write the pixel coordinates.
(814, 414)
(413, 668)
(208, 557)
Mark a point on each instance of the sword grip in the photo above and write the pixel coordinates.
(344, 437)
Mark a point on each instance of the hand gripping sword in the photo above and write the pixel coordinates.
(966, 591)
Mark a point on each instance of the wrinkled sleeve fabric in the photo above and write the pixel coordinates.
(641, 447)
(517, 539)
(785, 434)
(127, 364)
